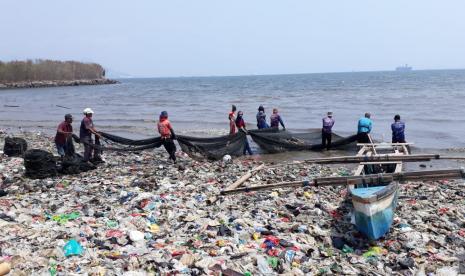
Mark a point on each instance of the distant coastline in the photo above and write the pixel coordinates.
(57, 83)
(50, 73)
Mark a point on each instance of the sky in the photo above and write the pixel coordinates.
(151, 38)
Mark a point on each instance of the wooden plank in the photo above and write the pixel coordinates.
(359, 170)
(372, 144)
(380, 163)
(237, 183)
(373, 158)
(245, 177)
(383, 144)
(354, 180)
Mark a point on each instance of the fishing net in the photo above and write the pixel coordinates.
(14, 146)
(213, 148)
(273, 140)
(74, 164)
(131, 145)
(39, 164)
(130, 142)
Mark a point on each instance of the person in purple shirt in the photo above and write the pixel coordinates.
(275, 119)
(398, 130)
(327, 130)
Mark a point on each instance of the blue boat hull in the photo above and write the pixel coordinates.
(374, 218)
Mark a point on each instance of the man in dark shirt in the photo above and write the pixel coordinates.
(64, 132)
(398, 130)
(85, 134)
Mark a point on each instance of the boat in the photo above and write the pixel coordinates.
(375, 204)
(404, 68)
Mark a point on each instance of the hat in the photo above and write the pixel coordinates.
(164, 114)
(330, 113)
(88, 111)
(68, 116)
(261, 108)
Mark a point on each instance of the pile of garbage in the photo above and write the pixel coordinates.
(138, 214)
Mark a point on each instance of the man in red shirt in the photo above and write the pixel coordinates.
(64, 132)
(167, 135)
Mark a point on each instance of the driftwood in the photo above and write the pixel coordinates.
(354, 180)
(238, 182)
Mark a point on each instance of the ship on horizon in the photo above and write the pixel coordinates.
(404, 68)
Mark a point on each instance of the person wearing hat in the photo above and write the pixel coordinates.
(261, 118)
(167, 135)
(85, 135)
(327, 130)
(275, 120)
(240, 124)
(64, 132)
(364, 128)
(232, 120)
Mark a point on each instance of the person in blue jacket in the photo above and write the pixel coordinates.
(364, 128)
(261, 118)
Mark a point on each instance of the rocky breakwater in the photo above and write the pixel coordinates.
(137, 214)
(55, 83)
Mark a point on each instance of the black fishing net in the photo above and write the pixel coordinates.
(274, 141)
(14, 146)
(131, 145)
(39, 164)
(130, 142)
(213, 148)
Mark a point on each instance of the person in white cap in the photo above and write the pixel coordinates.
(85, 134)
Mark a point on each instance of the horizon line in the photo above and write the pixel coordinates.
(284, 74)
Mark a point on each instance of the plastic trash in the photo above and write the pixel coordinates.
(73, 248)
(374, 251)
(263, 266)
(174, 231)
(136, 236)
(64, 218)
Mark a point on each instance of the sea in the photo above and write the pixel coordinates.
(431, 103)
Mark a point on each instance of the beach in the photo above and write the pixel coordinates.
(138, 214)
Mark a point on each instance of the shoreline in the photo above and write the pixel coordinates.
(55, 83)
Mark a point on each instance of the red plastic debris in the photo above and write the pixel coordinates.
(114, 234)
(177, 253)
(335, 214)
(443, 210)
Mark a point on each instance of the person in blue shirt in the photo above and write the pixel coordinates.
(364, 128)
(398, 130)
(261, 118)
